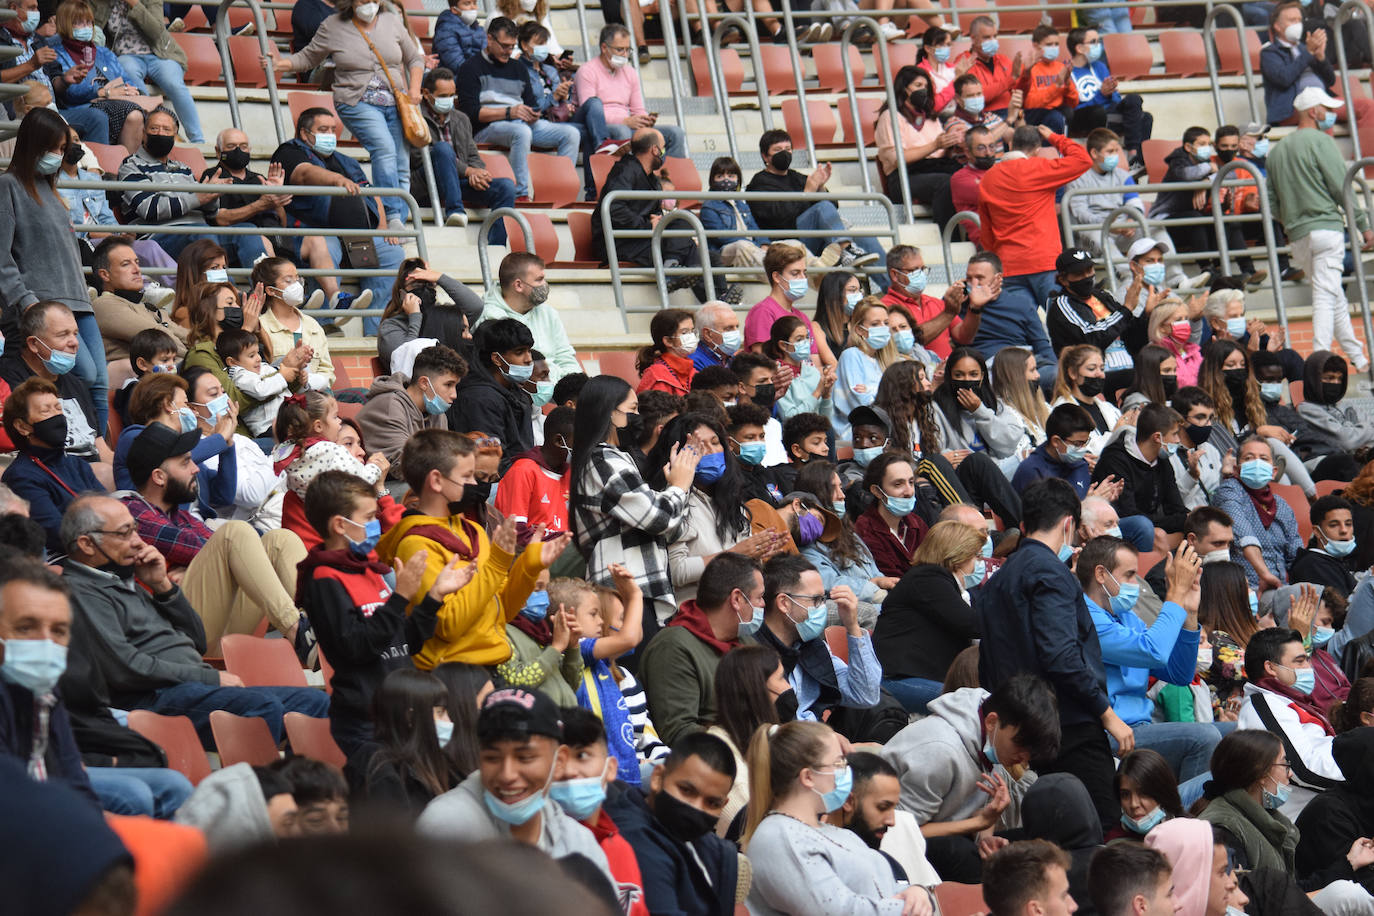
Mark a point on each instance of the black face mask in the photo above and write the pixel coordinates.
(122, 570)
(51, 432)
(1198, 434)
(786, 705)
(159, 145)
(74, 153)
(983, 162)
(233, 319)
(763, 395)
(680, 819)
(1226, 155)
(658, 160)
(1092, 386)
(725, 184)
(1170, 383)
(235, 159)
(426, 293)
(964, 385)
(1079, 289)
(133, 295)
(1235, 381)
(1333, 391)
(781, 160)
(918, 100)
(633, 430)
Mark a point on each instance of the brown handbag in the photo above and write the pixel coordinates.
(412, 121)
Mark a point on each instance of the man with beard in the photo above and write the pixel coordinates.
(231, 576)
(872, 813)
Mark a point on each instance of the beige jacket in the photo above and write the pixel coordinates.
(354, 62)
(121, 319)
(312, 335)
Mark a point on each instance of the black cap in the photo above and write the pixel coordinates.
(511, 712)
(868, 415)
(1072, 261)
(155, 445)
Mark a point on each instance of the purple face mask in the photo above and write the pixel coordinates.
(810, 528)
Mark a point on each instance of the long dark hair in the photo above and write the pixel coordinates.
(398, 289)
(592, 421)
(1243, 758)
(1345, 714)
(778, 334)
(1148, 381)
(464, 682)
(944, 395)
(901, 85)
(41, 131)
(664, 324)
(726, 495)
(900, 394)
(1153, 778)
(830, 314)
(815, 477)
(1212, 379)
(742, 700)
(403, 719)
(1225, 602)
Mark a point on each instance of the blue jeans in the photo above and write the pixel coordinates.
(1187, 746)
(1256, 13)
(1052, 118)
(1038, 287)
(1113, 19)
(519, 138)
(454, 189)
(378, 129)
(913, 692)
(145, 791)
(91, 124)
(196, 701)
(167, 75)
(591, 114)
(245, 248)
(389, 257)
(91, 367)
(824, 215)
(1139, 531)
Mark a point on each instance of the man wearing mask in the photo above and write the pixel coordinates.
(612, 100)
(1209, 532)
(35, 56)
(267, 211)
(995, 72)
(491, 397)
(1081, 312)
(522, 293)
(535, 487)
(938, 323)
(120, 308)
(1149, 276)
(686, 868)
(1067, 432)
(1110, 170)
(459, 171)
(758, 384)
(980, 154)
(398, 407)
(721, 333)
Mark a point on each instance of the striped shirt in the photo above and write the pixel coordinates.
(183, 207)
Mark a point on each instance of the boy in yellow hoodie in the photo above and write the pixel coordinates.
(471, 628)
(1049, 93)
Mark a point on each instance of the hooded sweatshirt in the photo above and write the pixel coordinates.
(1187, 843)
(471, 621)
(1058, 808)
(1336, 818)
(485, 405)
(390, 418)
(939, 759)
(550, 337)
(228, 806)
(1329, 427)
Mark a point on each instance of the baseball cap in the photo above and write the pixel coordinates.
(1254, 129)
(1144, 246)
(1072, 261)
(868, 415)
(155, 445)
(1311, 97)
(512, 712)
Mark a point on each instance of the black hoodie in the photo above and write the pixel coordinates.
(485, 405)
(1336, 818)
(1058, 808)
(1312, 565)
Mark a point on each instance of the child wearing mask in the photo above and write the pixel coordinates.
(543, 640)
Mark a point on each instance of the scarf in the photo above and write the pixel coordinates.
(541, 631)
(296, 450)
(78, 49)
(1266, 506)
(1309, 713)
(815, 661)
(448, 539)
(344, 560)
(693, 620)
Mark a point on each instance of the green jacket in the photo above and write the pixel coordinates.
(542, 668)
(1306, 173)
(147, 15)
(203, 354)
(550, 338)
(1270, 839)
(679, 674)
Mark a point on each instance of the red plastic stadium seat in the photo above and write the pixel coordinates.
(1011, 45)
(1128, 53)
(830, 69)
(1229, 60)
(299, 101)
(545, 238)
(109, 156)
(245, 54)
(1184, 53)
(959, 899)
(310, 737)
(1297, 501)
(682, 172)
(731, 70)
(415, 16)
(868, 115)
(242, 740)
(1328, 487)
(822, 122)
(620, 363)
(178, 740)
(1020, 21)
(777, 69)
(580, 228)
(899, 54)
(202, 56)
(497, 164)
(262, 662)
(554, 179)
(602, 163)
(1154, 152)
(838, 642)
(190, 157)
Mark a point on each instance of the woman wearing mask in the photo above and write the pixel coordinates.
(411, 727)
(841, 558)
(555, 101)
(104, 85)
(415, 310)
(840, 292)
(1169, 328)
(891, 527)
(716, 519)
(468, 686)
(617, 517)
(1204, 878)
(1266, 529)
(785, 265)
(871, 350)
(790, 345)
(366, 88)
(666, 364)
(925, 145)
(201, 261)
(1156, 378)
(933, 57)
(802, 865)
(928, 619)
(969, 416)
(1016, 386)
(1148, 792)
(1080, 381)
(283, 322)
(1229, 617)
(751, 691)
(1251, 780)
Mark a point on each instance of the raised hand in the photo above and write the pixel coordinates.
(410, 574)
(551, 550)
(681, 467)
(451, 578)
(1304, 608)
(504, 535)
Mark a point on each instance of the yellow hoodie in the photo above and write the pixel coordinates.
(472, 621)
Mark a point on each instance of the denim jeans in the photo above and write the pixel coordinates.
(1038, 287)
(196, 701)
(389, 257)
(245, 248)
(824, 215)
(378, 129)
(1187, 746)
(146, 791)
(1052, 118)
(91, 367)
(1139, 531)
(91, 124)
(592, 115)
(518, 138)
(1110, 19)
(913, 692)
(454, 189)
(167, 74)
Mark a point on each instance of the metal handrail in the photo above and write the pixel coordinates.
(1105, 240)
(1209, 27)
(703, 252)
(799, 77)
(483, 259)
(846, 42)
(734, 20)
(1356, 170)
(674, 65)
(1266, 227)
(947, 236)
(1347, 11)
(227, 66)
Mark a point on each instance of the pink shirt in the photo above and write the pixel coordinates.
(759, 322)
(1189, 361)
(618, 90)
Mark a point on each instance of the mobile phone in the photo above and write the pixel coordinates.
(566, 55)
(295, 338)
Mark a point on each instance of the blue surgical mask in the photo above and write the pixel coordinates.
(900, 506)
(443, 730)
(879, 336)
(218, 406)
(986, 552)
(710, 467)
(1065, 552)
(1095, 51)
(1271, 391)
(188, 419)
(974, 104)
(973, 579)
(372, 533)
(1327, 121)
(83, 33)
(851, 300)
(1171, 448)
(916, 281)
(1145, 824)
(1253, 600)
(59, 362)
(579, 797)
(990, 747)
(543, 393)
(1340, 548)
(864, 456)
(906, 341)
(844, 783)
(31, 19)
(217, 275)
(796, 288)
(941, 55)
(1127, 594)
(1203, 153)
(1235, 326)
(1075, 453)
(814, 624)
(1261, 148)
(751, 626)
(34, 664)
(434, 405)
(752, 452)
(1154, 274)
(1256, 473)
(990, 47)
(839, 507)
(540, 53)
(443, 104)
(1109, 163)
(1050, 53)
(801, 350)
(325, 144)
(536, 605)
(1114, 531)
(1275, 800)
(48, 164)
(731, 341)
(513, 813)
(517, 373)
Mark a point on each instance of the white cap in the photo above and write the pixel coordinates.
(1311, 97)
(403, 357)
(1138, 247)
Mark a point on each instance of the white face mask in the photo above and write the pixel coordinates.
(1293, 34)
(367, 11)
(294, 294)
(468, 16)
(528, 5)
(618, 61)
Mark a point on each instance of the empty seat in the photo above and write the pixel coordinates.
(262, 662)
(109, 156)
(580, 228)
(245, 54)
(310, 737)
(777, 68)
(1228, 51)
(830, 69)
(242, 740)
(554, 179)
(620, 363)
(1154, 152)
(1128, 54)
(602, 163)
(868, 115)
(731, 70)
(1184, 53)
(202, 56)
(823, 123)
(545, 238)
(899, 55)
(682, 172)
(1022, 20)
(178, 740)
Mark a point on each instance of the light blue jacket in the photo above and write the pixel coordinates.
(1133, 653)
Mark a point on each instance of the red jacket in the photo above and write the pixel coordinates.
(1016, 207)
(531, 490)
(963, 188)
(891, 556)
(624, 865)
(670, 373)
(996, 79)
(389, 512)
(924, 308)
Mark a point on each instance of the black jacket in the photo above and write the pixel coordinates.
(628, 175)
(1322, 569)
(1149, 491)
(101, 739)
(1071, 321)
(778, 214)
(924, 624)
(1336, 818)
(1057, 808)
(61, 758)
(484, 405)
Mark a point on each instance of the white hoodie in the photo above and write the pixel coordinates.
(1310, 740)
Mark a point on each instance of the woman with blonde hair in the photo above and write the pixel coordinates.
(871, 350)
(927, 619)
(1169, 328)
(1080, 381)
(797, 773)
(1016, 384)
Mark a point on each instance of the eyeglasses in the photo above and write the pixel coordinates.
(486, 442)
(123, 534)
(836, 768)
(815, 600)
(1288, 767)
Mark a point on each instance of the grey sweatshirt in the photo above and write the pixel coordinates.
(398, 329)
(1000, 430)
(38, 256)
(229, 809)
(803, 869)
(1344, 427)
(390, 418)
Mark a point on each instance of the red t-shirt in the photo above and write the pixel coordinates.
(536, 493)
